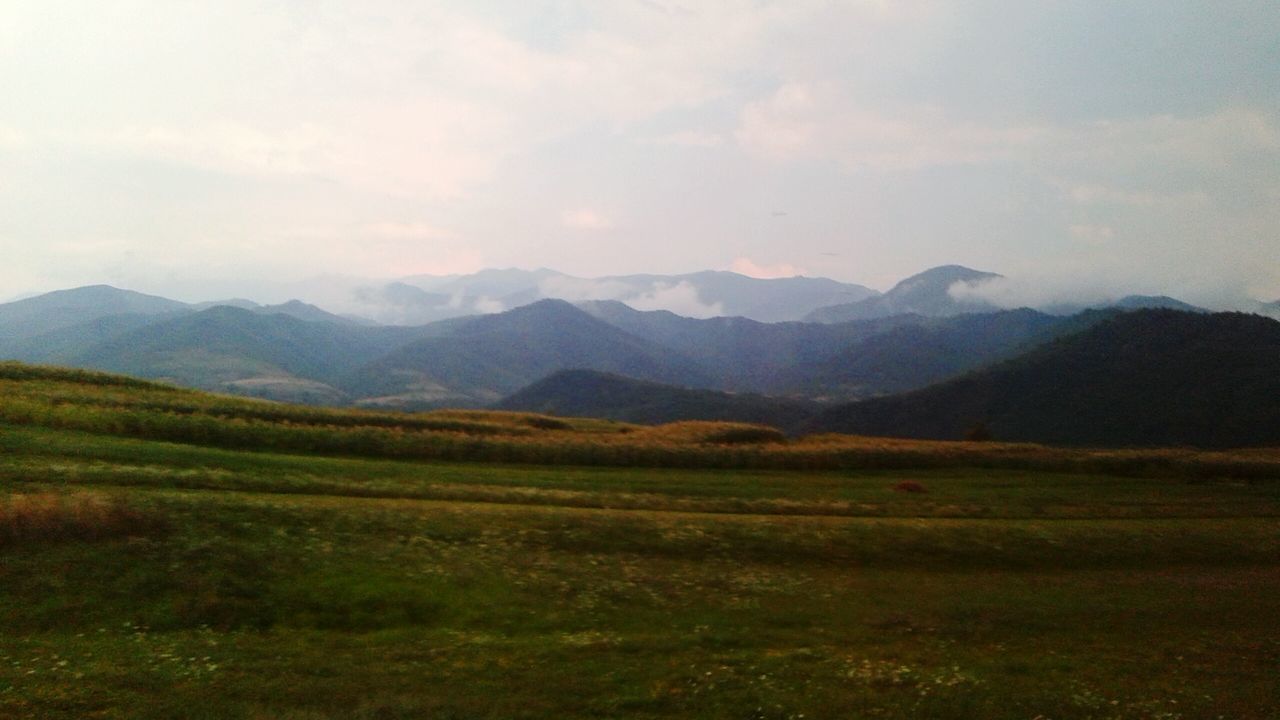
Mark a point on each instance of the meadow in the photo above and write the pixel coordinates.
(170, 554)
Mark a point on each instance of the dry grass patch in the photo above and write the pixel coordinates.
(47, 516)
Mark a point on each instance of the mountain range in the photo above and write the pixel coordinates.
(1139, 378)
(892, 368)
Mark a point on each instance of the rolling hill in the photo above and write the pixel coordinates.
(236, 350)
(480, 360)
(587, 393)
(1148, 377)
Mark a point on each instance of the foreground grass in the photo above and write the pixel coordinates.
(254, 585)
(170, 554)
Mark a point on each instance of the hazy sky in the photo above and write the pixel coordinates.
(170, 146)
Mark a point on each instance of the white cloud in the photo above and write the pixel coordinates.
(227, 147)
(11, 138)
(1093, 234)
(488, 305)
(747, 266)
(680, 298)
(393, 230)
(808, 121)
(1040, 291)
(689, 139)
(574, 289)
(585, 219)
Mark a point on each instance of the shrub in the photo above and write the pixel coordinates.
(910, 486)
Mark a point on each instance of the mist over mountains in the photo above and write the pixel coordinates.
(860, 361)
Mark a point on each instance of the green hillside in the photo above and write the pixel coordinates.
(172, 554)
(1151, 377)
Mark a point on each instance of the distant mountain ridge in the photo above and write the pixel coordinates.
(421, 299)
(928, 293)
(480, 360)
(588, 393)
(1146, 377)
(62, 308)
(657, 364)
(297, 352)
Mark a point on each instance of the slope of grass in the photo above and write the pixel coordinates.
(142, 578)
(79, 400)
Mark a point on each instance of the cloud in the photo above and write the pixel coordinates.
(487, 305)
(227, 147)
(746, 266)
(1093, 234)
(1093, 286)
(392, 230)
(585, 219)
(680, 298)
(11, 138)
(1041, 291)
(689, 139)
(821, 122)
(572, 289)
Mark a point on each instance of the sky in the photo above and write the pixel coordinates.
(187, 148)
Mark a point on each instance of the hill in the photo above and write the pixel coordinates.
(169, 553)
(245, 351)
(46, 313)
(1148, 377)
(481, 360)
(927, 293)
(586, 393)
(912, 355)
(848, 360)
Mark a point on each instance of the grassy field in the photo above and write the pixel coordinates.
(143, 578)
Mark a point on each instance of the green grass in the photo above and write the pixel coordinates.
(150, 579)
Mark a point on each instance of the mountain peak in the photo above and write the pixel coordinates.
(927, 293)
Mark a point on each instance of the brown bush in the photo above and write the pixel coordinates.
(910, 486)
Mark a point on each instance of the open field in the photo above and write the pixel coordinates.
(153, 579)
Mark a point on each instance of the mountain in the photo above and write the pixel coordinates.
(400, 303)
(587, 393)
(913, 355)
(66, 344)
(1141, 302)
(927, 293)
(305, 311)
(1271, 309)
(63, 308)
(733, 295)
(243, 351)
(480, 360)
(742, 354)
(701, 294)
(840, 361)
(1147, 377)
(241, 303)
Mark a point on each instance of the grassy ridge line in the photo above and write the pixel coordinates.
(62, 458)
(111, 405)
